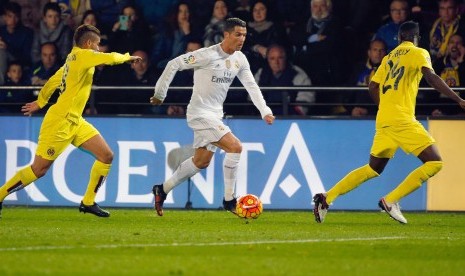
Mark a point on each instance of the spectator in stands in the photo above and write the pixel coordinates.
(90, 17)
(360, 20)
(108, 12)
(52, 29)
(361, 76)
(280, 72)
(318, 45)
(214, 30)
(155, 11)
(31, 14)
(15, 39)
(15, 77)
(319, 51)
(451, 68)
(448, 23)
(174, 36)
(261, 32)
(72, 11)
(130, 33)
(399, 13)
(140, 74)
(47, 66)
(242, 10)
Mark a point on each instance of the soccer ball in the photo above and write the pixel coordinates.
(249, 206)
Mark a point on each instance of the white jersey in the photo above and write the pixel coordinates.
(214, 71)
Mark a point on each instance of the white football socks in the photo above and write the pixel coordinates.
(230, 164)
(183, 172)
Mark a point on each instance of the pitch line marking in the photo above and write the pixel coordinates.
(113, 246)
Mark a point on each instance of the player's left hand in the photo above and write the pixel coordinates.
(30, 108)
(269, 119)
(155, 101)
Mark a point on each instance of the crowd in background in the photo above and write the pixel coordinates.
(289, 43)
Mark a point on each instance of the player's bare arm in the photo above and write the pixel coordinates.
(438, 83)
(269, 119)
(29, 108)
(373, 88)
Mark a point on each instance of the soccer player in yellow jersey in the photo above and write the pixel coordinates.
(63, 123)
(394, 87)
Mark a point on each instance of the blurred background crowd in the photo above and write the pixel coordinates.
(319, 43)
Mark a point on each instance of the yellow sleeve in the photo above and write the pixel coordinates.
(424, 59)
(91, 58)
(50, 86)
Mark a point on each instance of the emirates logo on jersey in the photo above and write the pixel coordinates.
(189, 60)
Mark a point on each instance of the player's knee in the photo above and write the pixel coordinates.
(236, 148)
(107, 157)
(39, 171)
(201, 164)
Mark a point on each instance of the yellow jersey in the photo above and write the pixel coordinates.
(399, 77)
(74, 80)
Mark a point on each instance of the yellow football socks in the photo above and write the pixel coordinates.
(98, 175)
(351, 181)
(21, 179)
(414, 180)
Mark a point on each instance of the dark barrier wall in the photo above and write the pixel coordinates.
(284, 164)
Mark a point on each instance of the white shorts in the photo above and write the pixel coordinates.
(207, 131)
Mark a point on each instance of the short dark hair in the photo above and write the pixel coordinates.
(408, 30)
(87, 13)
(232, 22)
(14, 62)
(55, 47)
(13, 7)
(83, 33)
(276, 46)
(51, 6)
(379, 40)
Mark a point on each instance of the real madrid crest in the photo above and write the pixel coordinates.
(236, 64)
(228, 64)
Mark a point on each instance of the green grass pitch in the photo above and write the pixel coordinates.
(62, 241)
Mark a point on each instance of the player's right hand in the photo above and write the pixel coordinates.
(134, 59)
(462, 104)
(155, 101)
(30, 108)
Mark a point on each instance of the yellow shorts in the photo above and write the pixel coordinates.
(57, 133)
(410, 137)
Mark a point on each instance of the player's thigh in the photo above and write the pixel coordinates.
(88, 138)
(383, 146)
(207, 131)
(56, 134)
(229, 143)
(413, 138)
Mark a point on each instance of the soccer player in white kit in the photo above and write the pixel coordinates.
(215, 68)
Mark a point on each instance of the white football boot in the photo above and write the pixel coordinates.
(393, 209)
